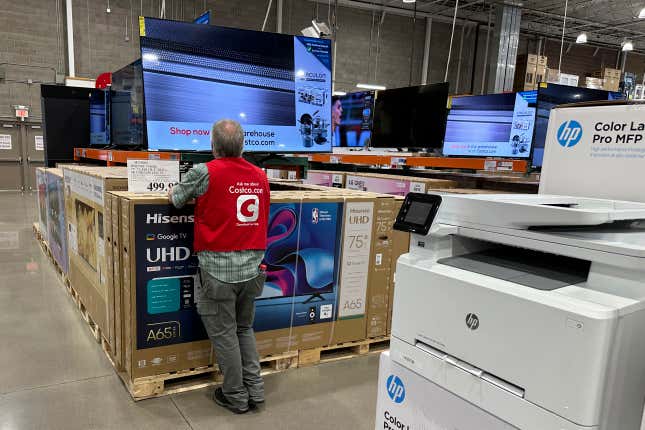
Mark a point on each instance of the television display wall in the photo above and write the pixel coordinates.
(494, 125)
(277, 86)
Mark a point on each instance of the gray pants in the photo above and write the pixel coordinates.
(227, 311)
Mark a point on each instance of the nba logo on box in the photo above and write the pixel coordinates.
(314, 216)
(395, 389)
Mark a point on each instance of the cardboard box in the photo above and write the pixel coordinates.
(41, 187)
(325, 178)
(400, 246)
(394, 184)
(555, 77)
(324, 241)
(117, 280)
(594, 83)
(56, 222)
(530, 70)
(86, 188)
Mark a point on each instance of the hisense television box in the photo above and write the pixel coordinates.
(41, 194)
(56, 224)
(318, 260)
(86, 188)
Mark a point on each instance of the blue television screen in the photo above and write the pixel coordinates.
(493, 125)
(277, 86)
(551, 95)
(351, 119)
(99, 117)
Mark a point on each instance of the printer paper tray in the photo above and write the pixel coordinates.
(472, 387)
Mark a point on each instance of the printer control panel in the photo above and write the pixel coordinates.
(417, 213)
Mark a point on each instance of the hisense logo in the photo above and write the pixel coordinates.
(169, 219)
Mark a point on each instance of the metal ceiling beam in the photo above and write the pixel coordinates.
(369, 6)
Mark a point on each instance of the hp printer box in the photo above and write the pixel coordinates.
(86, 188)
(407, 401)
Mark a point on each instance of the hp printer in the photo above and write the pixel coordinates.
(531, 307)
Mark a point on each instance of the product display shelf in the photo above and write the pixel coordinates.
(115, 157)
(490, 164)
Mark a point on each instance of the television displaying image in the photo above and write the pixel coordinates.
(277, 86)
(410, 117)
(351, 119)
(493, 125)
(99, 117)
(551, 95)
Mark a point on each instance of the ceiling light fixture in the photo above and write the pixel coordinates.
(339, 93)
(409, 1)
(641, 14)
(582, 38)
(628, 46)
(317, 29)
(370, 86)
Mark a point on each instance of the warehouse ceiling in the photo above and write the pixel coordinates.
(607, 23)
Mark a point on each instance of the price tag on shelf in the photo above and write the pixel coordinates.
(490, 165)
(334, 159)
(505, 166)
(146, 176)
(397, 161)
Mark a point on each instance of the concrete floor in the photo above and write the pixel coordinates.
(53, 375)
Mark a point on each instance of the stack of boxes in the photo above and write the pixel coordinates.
(394, 184)
(555, 77)
(530, 71)
(325, 178)
(610, 78)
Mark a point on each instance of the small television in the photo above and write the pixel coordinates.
(351, 119)
(127, 116)
(277, 86)
(99, 117)
(410, 117)
(551, 95)
(492, 125)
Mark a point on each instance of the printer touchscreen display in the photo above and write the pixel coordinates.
(417, 213)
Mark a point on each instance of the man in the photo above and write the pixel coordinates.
(336, 115)
(231, 217)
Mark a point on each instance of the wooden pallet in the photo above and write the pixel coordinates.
(76, 298)
(342, 351)
(197, 378)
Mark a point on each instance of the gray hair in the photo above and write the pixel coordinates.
(227, 138)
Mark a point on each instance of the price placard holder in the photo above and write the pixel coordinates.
(145, 176)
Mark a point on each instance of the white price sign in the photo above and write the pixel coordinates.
(146, 176)
(39, 144)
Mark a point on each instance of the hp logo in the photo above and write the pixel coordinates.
(395, 389)
(569, 133)
(472, 321)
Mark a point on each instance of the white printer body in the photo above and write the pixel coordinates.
(531, 307)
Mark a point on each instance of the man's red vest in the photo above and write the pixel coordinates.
(233, 213)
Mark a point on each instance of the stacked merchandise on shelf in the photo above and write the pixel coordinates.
(325, 178)
(89, 239)
(394, 184)
(51, 214)
(319, 292)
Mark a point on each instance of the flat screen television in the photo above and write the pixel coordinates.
(493, 125)
(127, 116)
(277, 86)
(410, 117)
(551, 95)
(99, 117)
(351, 119)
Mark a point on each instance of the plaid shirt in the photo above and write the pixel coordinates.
(229, 267)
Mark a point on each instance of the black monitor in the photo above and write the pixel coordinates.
(66, 121)
(126, 106)
(551, 95)
(411, 117)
